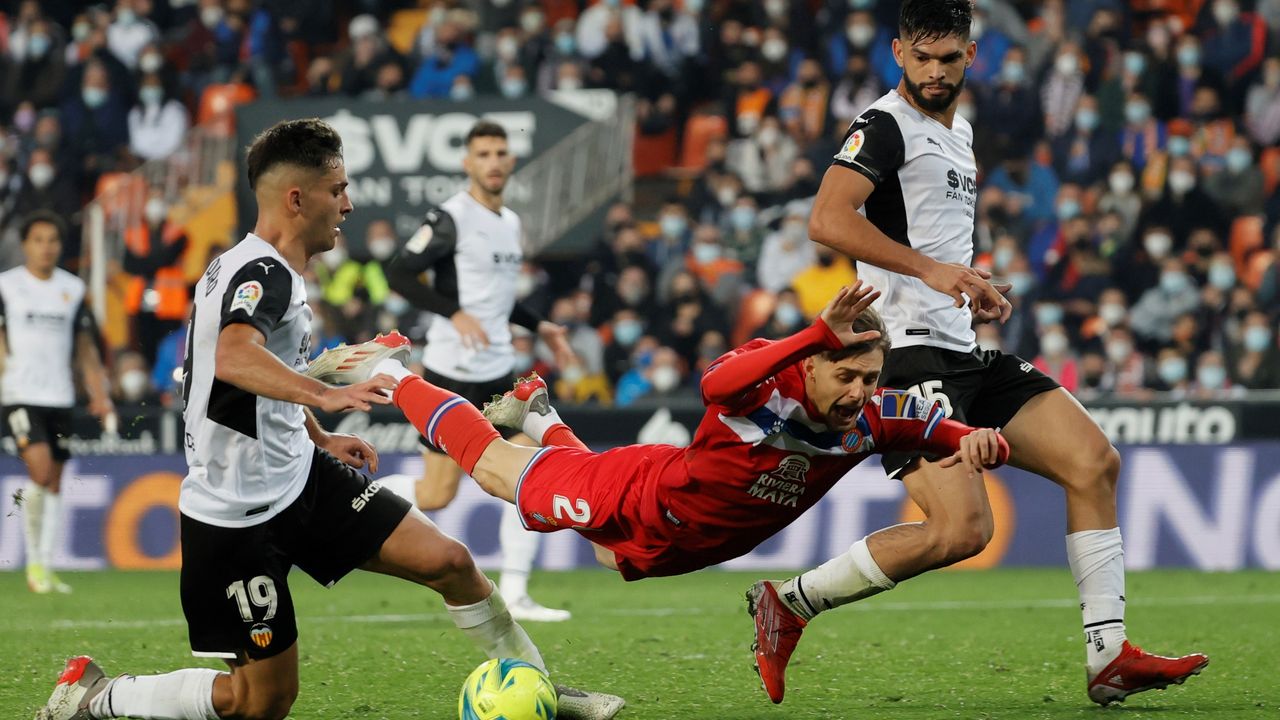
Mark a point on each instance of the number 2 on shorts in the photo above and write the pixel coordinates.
(261, 591)
(579, 512)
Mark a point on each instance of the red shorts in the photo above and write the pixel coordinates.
(610, 498)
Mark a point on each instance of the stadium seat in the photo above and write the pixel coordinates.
(753, 312)
(1269, 163)
(217, 104)
(654, 153)
(698, 133)
(1257, 266)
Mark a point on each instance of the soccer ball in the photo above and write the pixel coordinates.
(507, 689)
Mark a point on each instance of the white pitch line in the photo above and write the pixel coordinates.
(936, 605)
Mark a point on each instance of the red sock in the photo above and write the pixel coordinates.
(447, 421)
(560, 435)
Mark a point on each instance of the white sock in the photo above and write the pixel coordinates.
(1097, 563)
(491, 628)
(179, 695)
(33, 514)
(536, 426)
(519, 549)
(49, 527)
(838, 581)
(403, 485)
(394, 369)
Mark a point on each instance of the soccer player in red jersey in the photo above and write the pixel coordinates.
(785, 420)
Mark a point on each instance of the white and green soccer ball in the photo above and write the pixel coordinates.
(507, 689)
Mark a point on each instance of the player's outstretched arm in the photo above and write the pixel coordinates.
(729, 380)
(243, 360)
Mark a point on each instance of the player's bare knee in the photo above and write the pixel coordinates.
(453, 560)
(1095, 471)
(952, 543)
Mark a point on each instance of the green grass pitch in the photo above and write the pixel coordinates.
(987, 644)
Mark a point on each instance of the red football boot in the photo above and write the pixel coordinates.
(1135, 670)
(777, 632)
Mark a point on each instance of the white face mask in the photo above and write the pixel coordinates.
(1067, 64)
(151, 62)
(1118, 351)
(382, 247)
(508, 47)
(768, 135)
(1053, 344)
(41, 175)
(665, 379)
(1181, 181)
(1121, 183)
(155, 211)
(334, 258)
(774, 49)
(211, 16)
(860, 35)
(133, 385)
(1157, 245)
(1112, 314)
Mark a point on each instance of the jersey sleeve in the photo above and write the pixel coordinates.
(258, 295)
(436, 241)
(85, 322)
(899, 420)
(873, 146)
(736, 379)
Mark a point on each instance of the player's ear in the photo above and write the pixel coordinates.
(970, 54)
(897, 51)
(294, 199)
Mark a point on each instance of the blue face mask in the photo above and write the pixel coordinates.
(1257, 338)
(1179, 146)
(1136, 113)
(565, 44)
(1172, 370)
(1238, 159)
(627, 332)
(1068, 209)
(673, 226)
(1049, 314)
(1020, 283)
(706, 252)
(513, 88)
(1013, 73)
(1188, 56)
(1002, 257)
(742, 218)
(1211, 376)
(1087, 119)
(1174, 282)
(1135, 63)
(94, 97)
(788, 315)
(1222, 276)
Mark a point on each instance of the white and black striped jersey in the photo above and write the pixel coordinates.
(925, 197)
(474, 255)
(248, 456)
(41, 319)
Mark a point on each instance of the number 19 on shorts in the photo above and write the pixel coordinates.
(260, 591)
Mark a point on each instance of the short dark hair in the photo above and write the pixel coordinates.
(922, 21)
(486, 128)
(868, 319)
(312, 144)
(42, 216)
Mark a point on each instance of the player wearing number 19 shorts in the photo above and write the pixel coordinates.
(785, 420)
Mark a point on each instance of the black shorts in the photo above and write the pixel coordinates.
(982, 388)
(235, 581)
(476, 393)
(32, 424)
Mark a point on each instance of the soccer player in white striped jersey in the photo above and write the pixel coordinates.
(899, 198)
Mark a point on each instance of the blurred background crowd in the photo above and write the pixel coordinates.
(1127, 152)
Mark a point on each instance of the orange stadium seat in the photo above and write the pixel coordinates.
(698, 133)
(1246, 236)
(1269, 163)
(753, 312)
(652, 154)
(217, 103)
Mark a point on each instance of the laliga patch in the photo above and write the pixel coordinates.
(419, 241)
(851, 147)
(260, 634)
(247, 297)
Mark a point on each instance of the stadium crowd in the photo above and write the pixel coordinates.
(1127, 151)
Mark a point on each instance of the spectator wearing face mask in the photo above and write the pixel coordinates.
(673, 234)
(47, 187)
(1184, 206)
(1142, 135)
(763, 159)
(1262, 105)
(131, 380)
(129, 32)
(660, 376)
(743, 234)
(36, 73)
(157, 297)
(1121, 197)
(1234, 44)
(450, 58)
(804, 106)
(158, 123)
(1126, 367)
(1237, 187)
(1212, 381)
(1153, 315)
(856, 89)
(1093, 381)
(1062, 90)
(1010, 105)
(1256, 359)
(94, 124)
(1056, 359)
(786, 318)
(711, 261)
(669, 37)
(592, 29)
(1084, 151)
(1172, 373)
(787, 251)
(626, 329)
